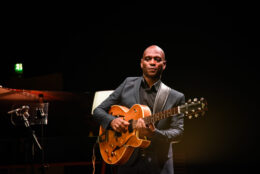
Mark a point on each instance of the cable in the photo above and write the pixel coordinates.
(94, 157)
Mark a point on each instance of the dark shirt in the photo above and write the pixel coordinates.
(147, 97)
(147, 94)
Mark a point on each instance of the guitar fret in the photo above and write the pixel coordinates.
(163, 114)
(156, 117)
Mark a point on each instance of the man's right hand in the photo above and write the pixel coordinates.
(119, 125)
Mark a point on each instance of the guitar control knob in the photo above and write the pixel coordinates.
(113, 154)
(106, 150)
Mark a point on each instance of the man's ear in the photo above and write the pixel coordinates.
(164, 65)
(141, 63)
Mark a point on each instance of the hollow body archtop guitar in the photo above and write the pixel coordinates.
(117, 148)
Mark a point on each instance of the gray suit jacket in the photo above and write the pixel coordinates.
(167, 130)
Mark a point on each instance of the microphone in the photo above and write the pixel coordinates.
(18, 109)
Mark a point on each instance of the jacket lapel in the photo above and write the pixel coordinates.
(136, 90)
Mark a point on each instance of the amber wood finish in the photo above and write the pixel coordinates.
(117, 149)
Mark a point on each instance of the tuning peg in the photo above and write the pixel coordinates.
(195, 99)
(201, 99)
(196, 115)
(193, 110)
(189, 101)
(190, 116)
(199, 109)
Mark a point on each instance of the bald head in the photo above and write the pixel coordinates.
(154, 48)
(153, 63)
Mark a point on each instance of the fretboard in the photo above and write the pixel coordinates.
(158, 116)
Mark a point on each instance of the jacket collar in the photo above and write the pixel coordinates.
(155, 86)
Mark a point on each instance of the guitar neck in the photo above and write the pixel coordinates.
(188, 109)
(161, 115)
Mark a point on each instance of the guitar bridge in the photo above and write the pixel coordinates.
(118, 134)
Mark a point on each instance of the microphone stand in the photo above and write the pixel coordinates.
(35, 141)
(32, 132)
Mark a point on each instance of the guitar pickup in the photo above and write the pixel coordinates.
(130, 127)
(118, 134)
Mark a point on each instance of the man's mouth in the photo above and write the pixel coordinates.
(152, 69)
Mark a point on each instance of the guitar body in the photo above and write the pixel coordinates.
(117, 148)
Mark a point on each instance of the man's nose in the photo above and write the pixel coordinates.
(152, 61)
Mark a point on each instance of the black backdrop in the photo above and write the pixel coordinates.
(211, 51)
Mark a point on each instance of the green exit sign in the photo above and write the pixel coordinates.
(18, 68)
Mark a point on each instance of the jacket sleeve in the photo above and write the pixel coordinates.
(101, 112)
(176, 127)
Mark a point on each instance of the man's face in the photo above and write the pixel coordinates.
(153, 62)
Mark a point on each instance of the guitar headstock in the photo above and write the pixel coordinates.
(194, 108)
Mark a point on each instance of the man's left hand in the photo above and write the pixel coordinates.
(143, 129)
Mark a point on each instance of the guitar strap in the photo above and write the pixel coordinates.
(161, 98)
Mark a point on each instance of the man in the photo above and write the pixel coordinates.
(157, 158)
